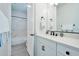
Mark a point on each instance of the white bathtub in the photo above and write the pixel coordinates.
(18, 40)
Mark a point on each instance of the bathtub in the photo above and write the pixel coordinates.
(18, 40)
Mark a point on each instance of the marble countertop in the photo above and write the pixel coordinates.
(64, 40)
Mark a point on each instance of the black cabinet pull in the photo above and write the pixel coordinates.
(67, 53)
(43, 48)
(31, 34)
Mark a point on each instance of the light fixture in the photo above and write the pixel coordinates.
(56, 3)
(29, 6)
(52, 3)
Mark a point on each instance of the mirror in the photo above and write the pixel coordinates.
(61, 17)
(67, 17)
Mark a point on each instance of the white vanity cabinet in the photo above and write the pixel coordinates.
(64, 50)
(45, 47)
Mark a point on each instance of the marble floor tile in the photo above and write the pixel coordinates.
(19, 50)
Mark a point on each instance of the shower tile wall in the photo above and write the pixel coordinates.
(19, 25)
(19, 50)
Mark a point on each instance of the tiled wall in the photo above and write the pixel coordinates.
(19, 25)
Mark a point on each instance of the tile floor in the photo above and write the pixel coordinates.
(19, 50)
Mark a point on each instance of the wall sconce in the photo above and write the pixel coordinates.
(55, 4)
(29, 6)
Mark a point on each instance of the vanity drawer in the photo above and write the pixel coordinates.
(59, 54)
(66, 50)
(45, 50)
(47, 42)
(45, 47)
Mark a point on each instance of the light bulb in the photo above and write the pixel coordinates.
(51, 3)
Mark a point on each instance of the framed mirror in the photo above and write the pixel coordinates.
(67, 17)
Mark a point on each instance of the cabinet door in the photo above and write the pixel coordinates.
(66, 50)
(45, 47)
(59, 54)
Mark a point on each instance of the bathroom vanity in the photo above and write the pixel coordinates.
(56, 46)
(59, 33)
(44, 47)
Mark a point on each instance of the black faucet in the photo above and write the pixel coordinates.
(52, 33)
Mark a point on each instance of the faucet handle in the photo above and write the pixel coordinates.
(61, 34)
(52, 33)
(47, 32)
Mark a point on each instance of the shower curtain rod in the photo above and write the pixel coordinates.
(19, 17)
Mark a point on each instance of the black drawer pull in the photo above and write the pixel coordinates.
(43, 48)
(31, 34)
(67, 53)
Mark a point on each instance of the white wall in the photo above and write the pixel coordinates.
(6, 49)
(41, 10)
(6, 8)
(51, 14)
(48, 12)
